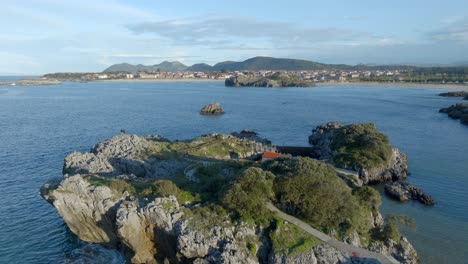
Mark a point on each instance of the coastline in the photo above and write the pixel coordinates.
(160, 80)
(395, 84)
(398, 84)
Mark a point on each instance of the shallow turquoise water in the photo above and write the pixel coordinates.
(39, 126)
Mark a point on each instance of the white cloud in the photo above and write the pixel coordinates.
(219, 32)
(455, 30)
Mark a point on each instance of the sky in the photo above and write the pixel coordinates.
(42, 36)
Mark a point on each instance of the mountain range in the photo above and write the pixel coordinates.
(256, 63)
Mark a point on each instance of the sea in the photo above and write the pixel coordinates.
(40, 125)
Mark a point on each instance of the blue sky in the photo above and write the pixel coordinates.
(40, 36)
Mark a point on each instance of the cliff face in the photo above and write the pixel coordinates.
(151, 227)
(391, 165)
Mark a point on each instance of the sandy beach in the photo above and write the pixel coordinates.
(399, 84)
(396, 84)
(161, 80)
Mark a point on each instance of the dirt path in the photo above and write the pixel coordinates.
(348, 249)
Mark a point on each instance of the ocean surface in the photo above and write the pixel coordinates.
(39, 126)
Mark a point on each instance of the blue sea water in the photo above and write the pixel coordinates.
(39, 126)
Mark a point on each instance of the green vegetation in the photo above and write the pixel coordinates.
(215, 146)
(311, 190)
(368, 196)
(118, 186)
(143, 188)
(205, 217)
(391, 228)
(287, 239)
(361, 145)
(233, 191)
(248, 195)
(286, 80)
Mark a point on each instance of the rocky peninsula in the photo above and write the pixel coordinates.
(363, 149)
(31, 82)
(205, 201)
(275, 80)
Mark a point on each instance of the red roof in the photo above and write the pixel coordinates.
(270, 155)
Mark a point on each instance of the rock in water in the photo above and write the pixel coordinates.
(457, 111)
(212, 109)
(404, 191)
(455, 94)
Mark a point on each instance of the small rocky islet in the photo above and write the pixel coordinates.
(212, 109)
(204, 200)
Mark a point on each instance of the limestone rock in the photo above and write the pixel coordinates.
(139, 227)
(402, 251)
(89, 211)
(86, 163)
(212, 109)
(404, 191)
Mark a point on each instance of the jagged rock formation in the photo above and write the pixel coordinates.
(404, 191)
(402, 251)
(212, 109)
(89, 211)
(457, 111)
(393, 166)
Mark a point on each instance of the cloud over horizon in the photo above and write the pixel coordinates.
(41, 36)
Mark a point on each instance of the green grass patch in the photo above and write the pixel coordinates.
(288, 239)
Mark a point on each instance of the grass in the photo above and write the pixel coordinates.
(215, 147)
(203, 218)
(287, 239)
(143, 188)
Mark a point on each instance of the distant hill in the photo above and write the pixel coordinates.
(200, 67)
(252, 64)
(165, 66)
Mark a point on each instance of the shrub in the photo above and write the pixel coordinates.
(368, 196)
(248, 195)
(360, 145)
(311, 190)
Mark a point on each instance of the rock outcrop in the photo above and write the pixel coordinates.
(404, 191)
(324, 139)
(275, 80)
(154, 228)
(455, 94)
(457, 111)
(140, 228)
(212, 109)
(89, 211)
(402, 251)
